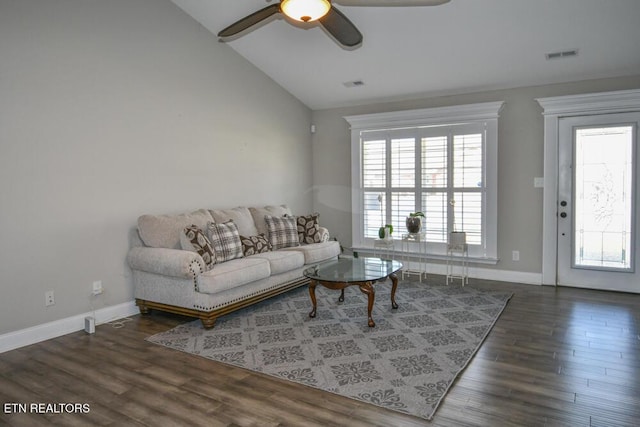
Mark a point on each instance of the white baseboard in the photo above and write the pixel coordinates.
(35, 334)
(487, 273)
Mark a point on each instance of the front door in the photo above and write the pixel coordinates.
(598, 189)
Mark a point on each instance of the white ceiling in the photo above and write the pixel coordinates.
(459, 47)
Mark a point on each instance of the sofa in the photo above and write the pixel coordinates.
(190, 264)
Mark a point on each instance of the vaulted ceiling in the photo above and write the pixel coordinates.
(458, 47)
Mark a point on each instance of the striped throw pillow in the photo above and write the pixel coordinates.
(283, 231)
(225, 240)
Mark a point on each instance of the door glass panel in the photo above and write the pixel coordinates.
(603, 197)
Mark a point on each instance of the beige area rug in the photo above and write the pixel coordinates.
(406, 363)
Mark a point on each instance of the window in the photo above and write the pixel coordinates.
(439, 161)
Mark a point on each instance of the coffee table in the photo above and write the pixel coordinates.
(361, 272)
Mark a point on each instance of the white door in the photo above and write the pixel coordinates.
(598, 189)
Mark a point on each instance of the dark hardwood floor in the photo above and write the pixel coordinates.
(556, 357)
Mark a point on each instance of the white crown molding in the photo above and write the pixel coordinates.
(38, 333)
(426, 116)
(591, 103)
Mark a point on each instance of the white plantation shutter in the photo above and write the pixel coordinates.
(402, 203)
(467, 161)
(435, 204)
(468, 216)
(447, 182)
(468, 185)
(447, 171)
(374, 164)
(434, 162)
(403, 163)
(374, 179)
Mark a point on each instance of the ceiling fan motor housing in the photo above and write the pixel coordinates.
(305, 10)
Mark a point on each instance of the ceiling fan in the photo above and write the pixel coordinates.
(323, 11)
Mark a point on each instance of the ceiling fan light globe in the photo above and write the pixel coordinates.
(305, 10)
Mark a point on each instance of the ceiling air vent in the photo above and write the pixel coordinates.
(355, 83)
(562, 54)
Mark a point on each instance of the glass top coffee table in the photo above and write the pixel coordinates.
(361, 272)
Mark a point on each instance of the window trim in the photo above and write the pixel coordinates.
(452, 116)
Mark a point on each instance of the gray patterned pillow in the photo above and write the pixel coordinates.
(283, 231)
(193, 239)
(255, 244)
(225, 240)
(309, 228)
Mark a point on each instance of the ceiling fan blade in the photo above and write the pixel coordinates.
(249, 21)
(392, 3)
(341, 28)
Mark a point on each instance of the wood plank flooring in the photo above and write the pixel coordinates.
(556, 357)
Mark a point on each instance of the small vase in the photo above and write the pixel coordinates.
(414, 224)
(387, 233)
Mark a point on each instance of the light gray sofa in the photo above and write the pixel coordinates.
(168, 278)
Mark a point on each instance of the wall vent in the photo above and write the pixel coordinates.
(355, 83)
(561, 54)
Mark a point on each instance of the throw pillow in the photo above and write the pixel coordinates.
(225, 240)
(255, 244)
(309, 228)
(283, 231)
(193, 239)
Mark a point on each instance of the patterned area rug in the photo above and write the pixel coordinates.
(406, 363)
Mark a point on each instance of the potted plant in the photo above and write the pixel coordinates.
(414, 222)
(385, 232)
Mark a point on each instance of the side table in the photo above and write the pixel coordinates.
(458, 253)
(410, 240)
(383, 248)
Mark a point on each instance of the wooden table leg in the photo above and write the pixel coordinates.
(394, 280)
(367, 288)
(341, 299)
(312, 293)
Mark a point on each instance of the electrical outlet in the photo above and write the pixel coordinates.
(49, 299)
(97, 287)
(515, 255)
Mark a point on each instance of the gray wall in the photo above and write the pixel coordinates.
(520, 152)
(111, 109)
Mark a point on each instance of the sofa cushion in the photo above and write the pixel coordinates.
(225, 240)
(234, 273)
(241, 216)
(317, 252)
(163, 231)
(309, 228)
(282, 261)
(193, 239)
(283, 231)
(258, 215)
(252, 245)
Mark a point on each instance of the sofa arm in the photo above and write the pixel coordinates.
(324, 234)
(168, 262)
